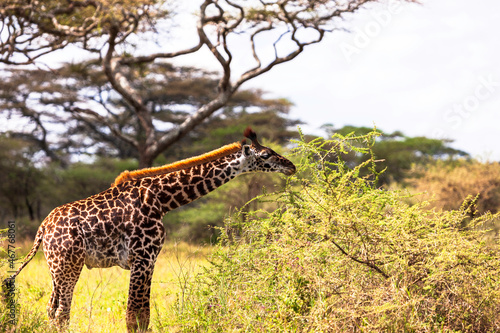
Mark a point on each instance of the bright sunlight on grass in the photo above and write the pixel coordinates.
(100, 297)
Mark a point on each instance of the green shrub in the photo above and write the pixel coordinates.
(340, 254)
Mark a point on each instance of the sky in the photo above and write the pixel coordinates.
(428, 70)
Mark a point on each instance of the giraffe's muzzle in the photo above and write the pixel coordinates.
(289, 170)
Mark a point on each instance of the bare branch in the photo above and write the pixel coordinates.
(123, 87)
(153, 57)
(195, 119)
(76, 111)
(224, 83)
(117, 79)
(34, 137)
(367, 262)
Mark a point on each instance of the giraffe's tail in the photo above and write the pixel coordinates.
(36, 244)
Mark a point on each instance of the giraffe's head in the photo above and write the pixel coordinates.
(260, 158)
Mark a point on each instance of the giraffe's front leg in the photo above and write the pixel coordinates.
(137, 316)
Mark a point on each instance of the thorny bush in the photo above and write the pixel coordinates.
(340, 254)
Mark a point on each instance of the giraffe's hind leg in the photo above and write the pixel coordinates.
(53, 302)
(65, 266)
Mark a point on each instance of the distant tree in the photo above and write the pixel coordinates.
(118, 36)
(19, 180)
(396, 152)
(81, 180)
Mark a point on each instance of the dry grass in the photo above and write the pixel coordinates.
(449, 184)
(100, 296)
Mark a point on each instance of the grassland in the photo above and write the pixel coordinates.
(100, 296)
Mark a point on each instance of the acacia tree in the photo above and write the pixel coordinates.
(43, 98)
(107, 30)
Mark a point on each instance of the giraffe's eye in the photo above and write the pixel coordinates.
(265, 156)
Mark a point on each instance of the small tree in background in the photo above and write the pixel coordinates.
(452, 183)
(397, 152)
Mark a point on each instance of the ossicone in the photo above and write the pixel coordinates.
(249, 133)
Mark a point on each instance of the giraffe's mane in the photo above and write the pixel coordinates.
(180, 165)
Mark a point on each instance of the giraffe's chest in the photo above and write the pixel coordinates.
(119, 245)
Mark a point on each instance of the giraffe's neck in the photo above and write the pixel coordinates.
(182, 187)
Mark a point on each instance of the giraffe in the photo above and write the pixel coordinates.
(122, 226)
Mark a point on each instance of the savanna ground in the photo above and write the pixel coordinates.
(100, 297)
(333, 252)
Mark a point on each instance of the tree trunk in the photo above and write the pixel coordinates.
(31, 212)
(145, 159)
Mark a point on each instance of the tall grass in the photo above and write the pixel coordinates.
(341, 255)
